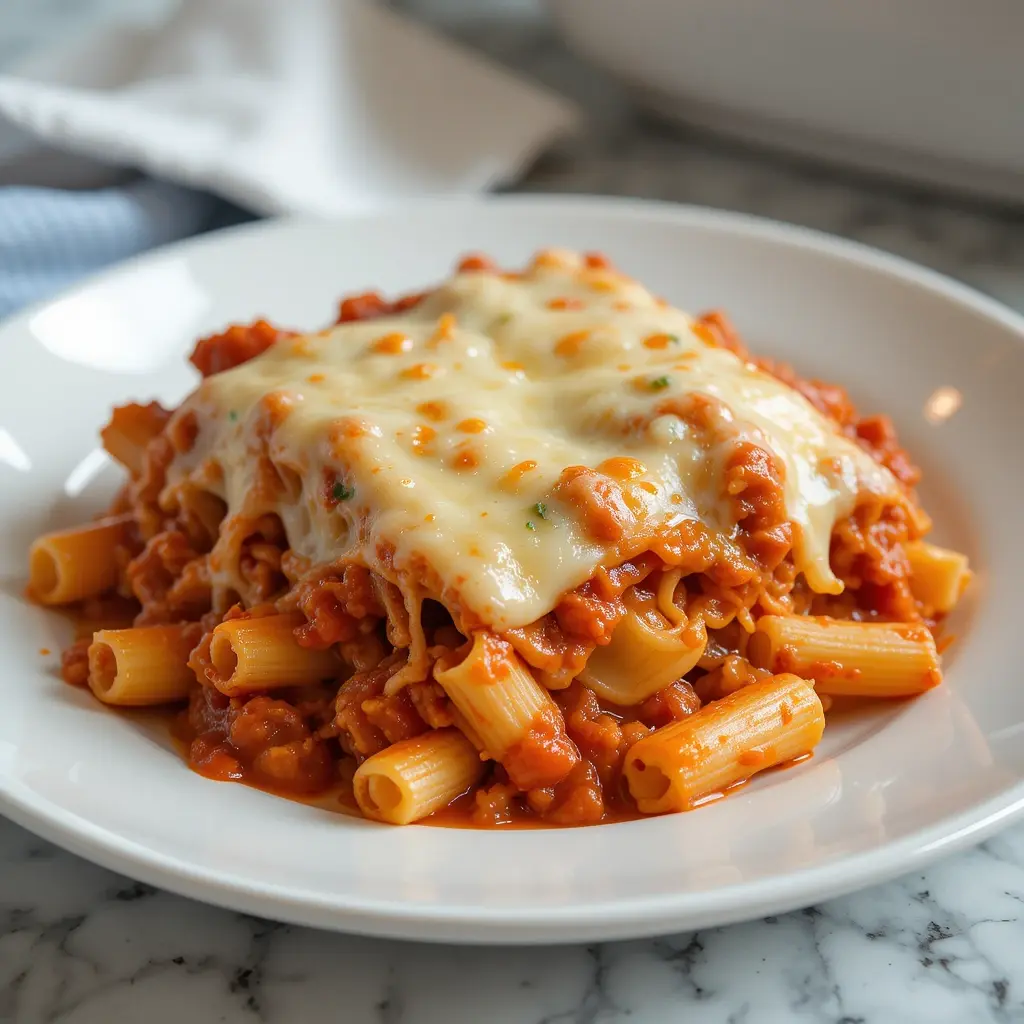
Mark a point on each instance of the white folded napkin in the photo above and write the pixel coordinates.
(283, 106)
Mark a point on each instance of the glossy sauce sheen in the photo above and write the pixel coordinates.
(445, 429)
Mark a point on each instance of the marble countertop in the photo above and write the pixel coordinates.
(84, 946)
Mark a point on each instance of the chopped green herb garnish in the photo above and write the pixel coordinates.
(342, 492)
(661, 382)
(530, 525)
(503, 319)
(541, 509)
(675, 339)
(232, 415)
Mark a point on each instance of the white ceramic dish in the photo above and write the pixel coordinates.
(889, 790)
(926, 89)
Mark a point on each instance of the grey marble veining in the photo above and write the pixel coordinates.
(80, 945)
(83, 946)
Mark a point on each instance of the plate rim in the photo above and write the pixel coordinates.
(612, 919)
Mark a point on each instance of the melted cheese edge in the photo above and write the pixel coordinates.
(422, 434)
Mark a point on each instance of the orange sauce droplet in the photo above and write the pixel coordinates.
(420, 371)
(570, 344)
(346, 428)
(471, 425)
(622, 467)
(510, 481)
(433, 410)
(445, 330)
(705, 334)
(548, 258)
(601, 280)
(422, 435)
(392, 344)
(475, 261)
(658, 341)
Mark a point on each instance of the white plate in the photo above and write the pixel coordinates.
(888, 791)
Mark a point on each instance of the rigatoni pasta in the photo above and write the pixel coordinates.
(938, 576)
(857, 659)
(130, 430)
(413, 778)
(758, 727)
(508, 712)
(643, 657)
(142, 666)
(254, 655)
(71, 565)
(528, 546)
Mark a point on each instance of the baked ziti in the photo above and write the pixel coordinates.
(529, 545)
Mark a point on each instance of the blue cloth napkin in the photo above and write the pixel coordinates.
(50, 237)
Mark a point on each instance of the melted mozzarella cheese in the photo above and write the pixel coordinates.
(447, 427)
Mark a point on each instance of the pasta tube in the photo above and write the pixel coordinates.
(130, 429)
(723, 744)
(511, 714)
(415, 777)
(938, 576)
(247, 655)
(145, 665)
(642, 659)
(71, 565)
(857, 659)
